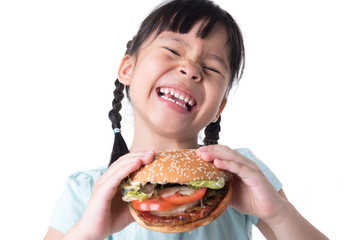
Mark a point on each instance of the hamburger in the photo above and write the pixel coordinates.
(177, 192)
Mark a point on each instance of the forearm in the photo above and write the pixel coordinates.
(292, 225)
(77, 233)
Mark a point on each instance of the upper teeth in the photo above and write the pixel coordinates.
(178, 95)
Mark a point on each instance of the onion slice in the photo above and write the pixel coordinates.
(184, 190)
(180, 208)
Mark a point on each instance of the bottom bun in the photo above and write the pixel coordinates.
(217, 211)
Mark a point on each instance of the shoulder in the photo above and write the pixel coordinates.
(246, 152)
(80, 183)
(85, 177)
(74, 198)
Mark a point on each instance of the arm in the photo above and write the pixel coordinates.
(294, 225)
(53, 234)
(254, 195)
(263, 226)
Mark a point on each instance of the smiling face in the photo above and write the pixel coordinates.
(177, 83)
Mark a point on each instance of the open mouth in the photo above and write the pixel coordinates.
(178, 97)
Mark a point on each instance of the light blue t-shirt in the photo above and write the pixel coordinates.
(230, 225)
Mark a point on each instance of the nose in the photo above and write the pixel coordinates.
(190, 71)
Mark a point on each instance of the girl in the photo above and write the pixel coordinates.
(177, 72)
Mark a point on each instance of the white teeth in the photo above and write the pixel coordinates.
(178, 95)
(178, 103)
(172, 100)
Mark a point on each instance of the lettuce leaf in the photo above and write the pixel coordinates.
(131, 191)
(213, 184)
(134, 195)
(129, 185)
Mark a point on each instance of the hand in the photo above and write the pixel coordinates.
(253, 194)
(106, 212)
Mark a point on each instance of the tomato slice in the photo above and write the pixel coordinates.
(178, 198)
(152, 204)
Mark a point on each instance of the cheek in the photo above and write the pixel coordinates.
(214, 98)
(151, 65)
(216, 91)
(143, 78)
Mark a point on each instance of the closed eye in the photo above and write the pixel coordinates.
(212, 69)
(173, 51)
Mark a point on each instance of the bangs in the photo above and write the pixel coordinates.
(181, 17)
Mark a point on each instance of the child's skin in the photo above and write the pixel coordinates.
(198, 67)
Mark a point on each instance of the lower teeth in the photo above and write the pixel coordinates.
(178, 103)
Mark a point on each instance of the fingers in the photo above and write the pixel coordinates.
(212, 152)
(120, 169)
(129, 163)
(226, 158)
(245, 172)
(221, 152)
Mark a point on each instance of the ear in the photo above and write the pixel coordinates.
(220, 110)
(125, 70)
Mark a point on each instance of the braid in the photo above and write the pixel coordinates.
(212, 133)
(114, 114)
(119, 145)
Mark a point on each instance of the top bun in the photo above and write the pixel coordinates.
(177, 166)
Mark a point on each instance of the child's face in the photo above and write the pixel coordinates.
(178, 81)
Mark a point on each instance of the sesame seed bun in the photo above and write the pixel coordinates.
(178, 166)
(181, 166)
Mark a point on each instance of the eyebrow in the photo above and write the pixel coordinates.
(176, 39)
(184, 43)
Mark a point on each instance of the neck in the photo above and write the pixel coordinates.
(146, 140)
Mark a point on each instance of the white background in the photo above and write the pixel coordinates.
(296, 106)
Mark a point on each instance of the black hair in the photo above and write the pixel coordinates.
(180, 16)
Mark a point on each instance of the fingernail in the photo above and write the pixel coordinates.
(150, 152)
(203, 149)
